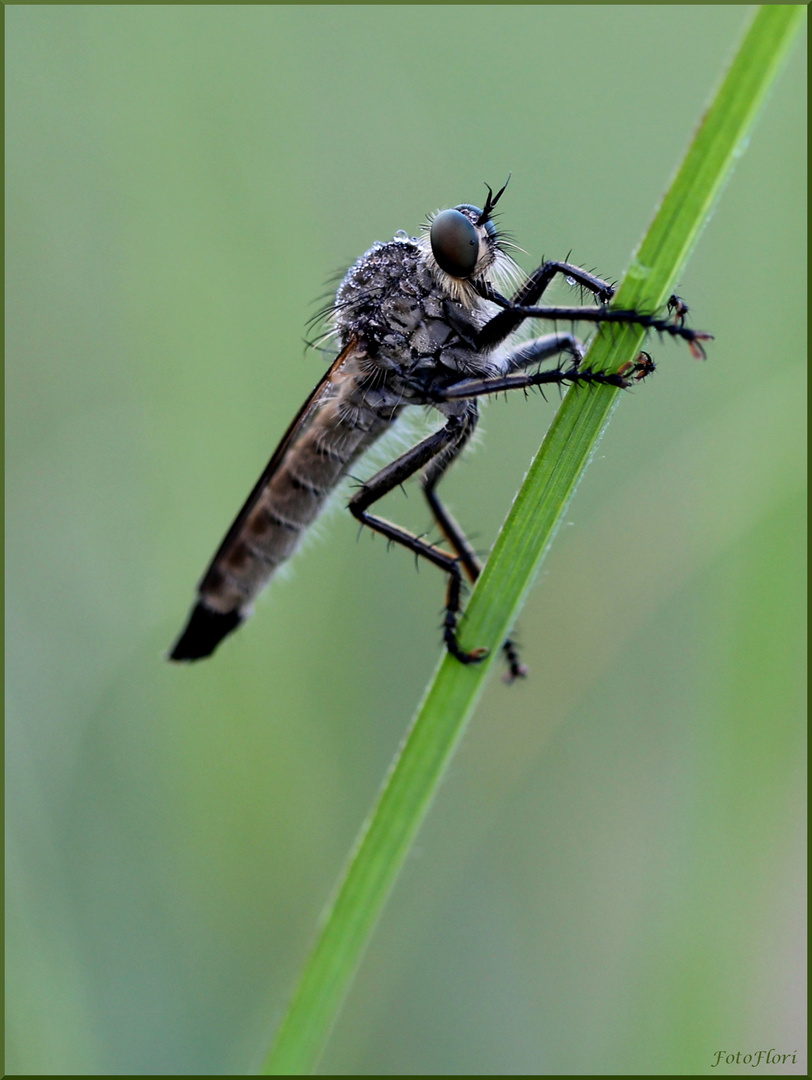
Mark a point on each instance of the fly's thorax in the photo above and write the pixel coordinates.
(397, 306)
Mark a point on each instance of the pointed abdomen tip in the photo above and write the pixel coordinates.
(204, 631)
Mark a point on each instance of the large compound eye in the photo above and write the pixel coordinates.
(455, 243)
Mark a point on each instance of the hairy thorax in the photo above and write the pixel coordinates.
(415, 333)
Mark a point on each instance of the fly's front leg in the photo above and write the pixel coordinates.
(440, 443)
(497, 329)
(529, 294)
(603, 291)
(536, 285)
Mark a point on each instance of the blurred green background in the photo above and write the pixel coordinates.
(610, 880)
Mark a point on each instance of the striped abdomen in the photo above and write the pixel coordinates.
(336, 425)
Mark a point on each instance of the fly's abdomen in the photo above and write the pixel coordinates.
(287, 499)
(274, 525)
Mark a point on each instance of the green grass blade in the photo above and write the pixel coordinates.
(567, 448)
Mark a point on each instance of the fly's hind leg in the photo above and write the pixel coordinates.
(440, 444)
(456, 537)
(523, 356)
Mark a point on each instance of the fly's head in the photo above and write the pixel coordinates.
(463, 246)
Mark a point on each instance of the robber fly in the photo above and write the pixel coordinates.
(419, 321)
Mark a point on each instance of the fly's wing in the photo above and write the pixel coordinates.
(269, 525)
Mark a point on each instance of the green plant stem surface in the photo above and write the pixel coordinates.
(418, 768)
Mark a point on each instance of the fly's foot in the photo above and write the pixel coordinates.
(516, 670)
(590, 377)
(677, 309)
(636, 370)
(677, 329)
(452, 610)
(695, 339)
(475, 656)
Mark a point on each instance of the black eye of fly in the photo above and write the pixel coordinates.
(455, 243)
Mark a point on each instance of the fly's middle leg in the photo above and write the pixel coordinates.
(542, 348)
(533, 352)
